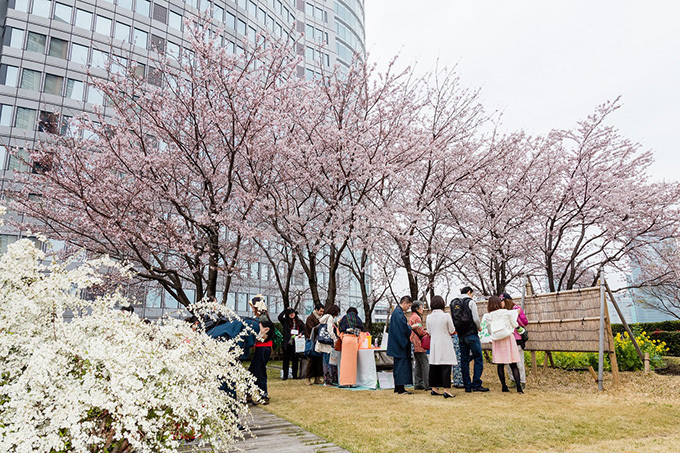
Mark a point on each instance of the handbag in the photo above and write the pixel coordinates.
(334, 358)
(324, 336)
(300, 345)
(425, 342)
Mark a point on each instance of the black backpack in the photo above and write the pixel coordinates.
(462, 316)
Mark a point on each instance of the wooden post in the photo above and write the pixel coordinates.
(623, 321)
(549, 354)
(612, 347)
(545, 359)
(646, 361)
(600, 354)
(593, 374)
(534, 366)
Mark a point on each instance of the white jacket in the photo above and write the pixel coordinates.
(440, 327)
(501, 323)
(326, 348)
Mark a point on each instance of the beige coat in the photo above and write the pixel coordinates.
(440, 327)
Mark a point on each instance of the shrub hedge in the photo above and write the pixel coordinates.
(666, 331)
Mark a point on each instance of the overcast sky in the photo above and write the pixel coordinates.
(547, 64)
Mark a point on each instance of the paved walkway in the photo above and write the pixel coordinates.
(274, 434)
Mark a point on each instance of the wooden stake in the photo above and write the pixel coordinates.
(612, 347)
(623, 321)
(646, 361)
(593, 374)
(549, 354)
(545, 359)
(534, 366)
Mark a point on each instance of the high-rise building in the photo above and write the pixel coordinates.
(48, 46)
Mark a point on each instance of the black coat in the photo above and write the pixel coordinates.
(287, 324)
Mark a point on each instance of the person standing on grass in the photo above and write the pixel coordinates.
(442, 356)
(314, 364)
(466, 320)
(421, 366)
(500, 323)
(330, 372)
(399, 346)
(263, 346)
(292, 327)
(522, 321)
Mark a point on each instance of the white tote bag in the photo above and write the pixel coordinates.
(300, 344)
(334, 359)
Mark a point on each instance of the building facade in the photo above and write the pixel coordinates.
(48, 47)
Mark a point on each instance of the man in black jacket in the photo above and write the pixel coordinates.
(466, 320)
(292, 327)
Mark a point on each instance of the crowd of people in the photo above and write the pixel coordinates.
(444, 347)
(432, 354)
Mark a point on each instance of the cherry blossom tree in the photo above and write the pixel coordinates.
(168, 179)
(600, 208)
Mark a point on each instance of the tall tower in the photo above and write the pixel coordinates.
(48, 46)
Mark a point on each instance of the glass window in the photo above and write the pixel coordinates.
(160, 13)
(230, 20)
(78, 54)
(95, 96)
(143, 7)
(218, 13)
(175, 20)
(261, 16)
(99, 59)
(309, 53)
(5, 115)
(319, 13)
(62, 13)
(242, 4)
(241, 27)
(42, 7)
(36, 42)
(140, 37)
(53, 84)
(122, 31)
(30, 80)
(153, 298)
(242, 299)
(157, 43)
(127, 4)
(83, 19)
(193, 3)
(252, 8)
(251, 34)
(25, 118)
(170, 302)
(9, 75)
(173, 50)
(309, 9)
(15, 38)
(49, 122)
(58, 48)
(103, 25)
(75, 89)
(309, 32)
(139, 70)
(19, 161)
(65, 125)
(21, 5)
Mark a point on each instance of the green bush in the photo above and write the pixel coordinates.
(665, 326)
(666, 331)
(672, 340)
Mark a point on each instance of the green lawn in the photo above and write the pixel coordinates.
(560, 411)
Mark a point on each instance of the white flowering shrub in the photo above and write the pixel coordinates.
(104, 380)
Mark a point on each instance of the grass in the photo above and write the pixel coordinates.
(560, 411)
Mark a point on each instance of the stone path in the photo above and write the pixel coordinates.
(274, 434)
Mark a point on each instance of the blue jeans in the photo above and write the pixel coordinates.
(471, 344)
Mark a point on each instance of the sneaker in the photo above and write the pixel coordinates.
(480, 389)
(264, 400)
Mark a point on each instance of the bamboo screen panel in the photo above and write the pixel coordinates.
(566, 321)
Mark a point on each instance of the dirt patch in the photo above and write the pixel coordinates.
(673, 368)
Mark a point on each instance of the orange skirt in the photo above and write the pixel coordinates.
(348, 360)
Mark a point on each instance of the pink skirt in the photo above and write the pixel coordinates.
(505, 350)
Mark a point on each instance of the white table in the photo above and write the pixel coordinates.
(367, 375)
